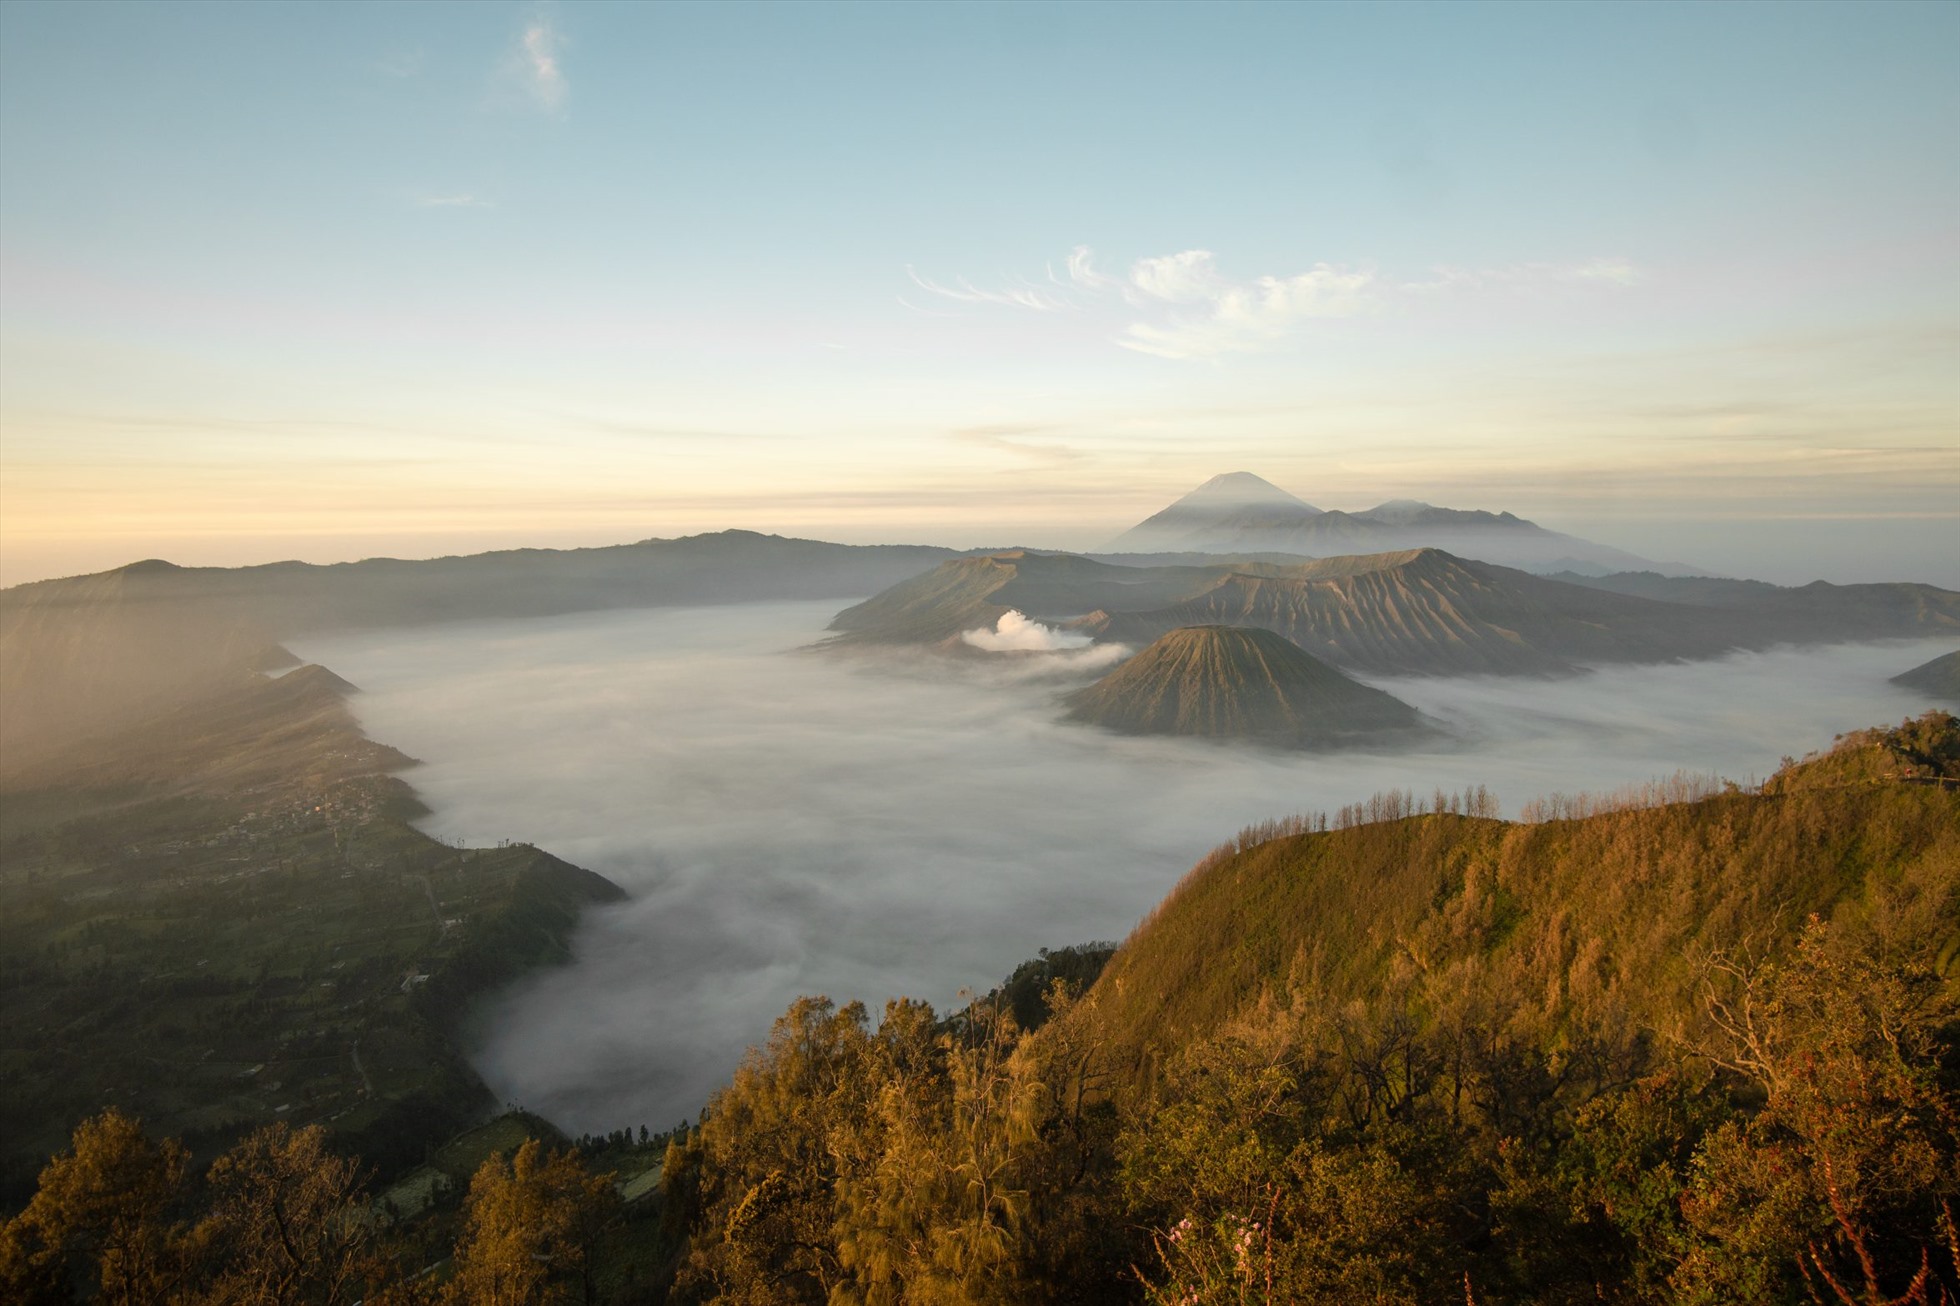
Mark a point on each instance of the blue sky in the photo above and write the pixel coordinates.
(333, 280)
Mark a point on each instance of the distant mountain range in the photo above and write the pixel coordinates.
(80, 654)
(1242, 513)
(1235, 682)
(1416, 612)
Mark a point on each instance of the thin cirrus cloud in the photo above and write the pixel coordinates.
(461, 200)
(1016, 296)
(1183, 306)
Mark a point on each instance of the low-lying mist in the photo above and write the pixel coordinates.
(789, 822)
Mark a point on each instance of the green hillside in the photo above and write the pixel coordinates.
(222, 919)
(1226, 682)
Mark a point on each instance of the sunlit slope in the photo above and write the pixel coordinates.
(1562, 924)
(1228, 682)
(1939, 678)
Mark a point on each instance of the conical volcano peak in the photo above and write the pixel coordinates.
(1241, 489)
(1235, 682)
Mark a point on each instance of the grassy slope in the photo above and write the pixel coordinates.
(1582, 917)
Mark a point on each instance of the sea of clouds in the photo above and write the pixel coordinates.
(789, 822)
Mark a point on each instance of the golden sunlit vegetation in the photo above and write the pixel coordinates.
(1698, 1046)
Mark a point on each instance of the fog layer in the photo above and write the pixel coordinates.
(790, 823)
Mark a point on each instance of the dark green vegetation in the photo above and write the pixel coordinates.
(1940, 677)
(281, 1217)
(221, 918)
(1235, 682)
(1239, 512)
(1701, 1051)
(1417, 612)
(94, 652)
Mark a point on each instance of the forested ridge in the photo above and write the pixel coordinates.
(1692, 1045)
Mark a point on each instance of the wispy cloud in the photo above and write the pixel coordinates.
(537, 65)
(1081, 271)
(1233, 318)
(1183, 305)
(460, 200)
(1022, 295)
(1178, 278)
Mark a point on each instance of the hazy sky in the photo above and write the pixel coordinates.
(331, 280)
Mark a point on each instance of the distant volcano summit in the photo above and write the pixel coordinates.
(1238, 682)
(1242, 513)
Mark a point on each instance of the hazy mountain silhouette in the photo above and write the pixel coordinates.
(78, 654)
(1940, 677)
(1240, 513)
(1817, 611)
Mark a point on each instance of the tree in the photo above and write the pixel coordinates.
(101, 1218)
(761, 1172)
(1846, 1181)
(293, 1220)
(531, 1228)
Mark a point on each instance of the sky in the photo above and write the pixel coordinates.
(330, 281)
